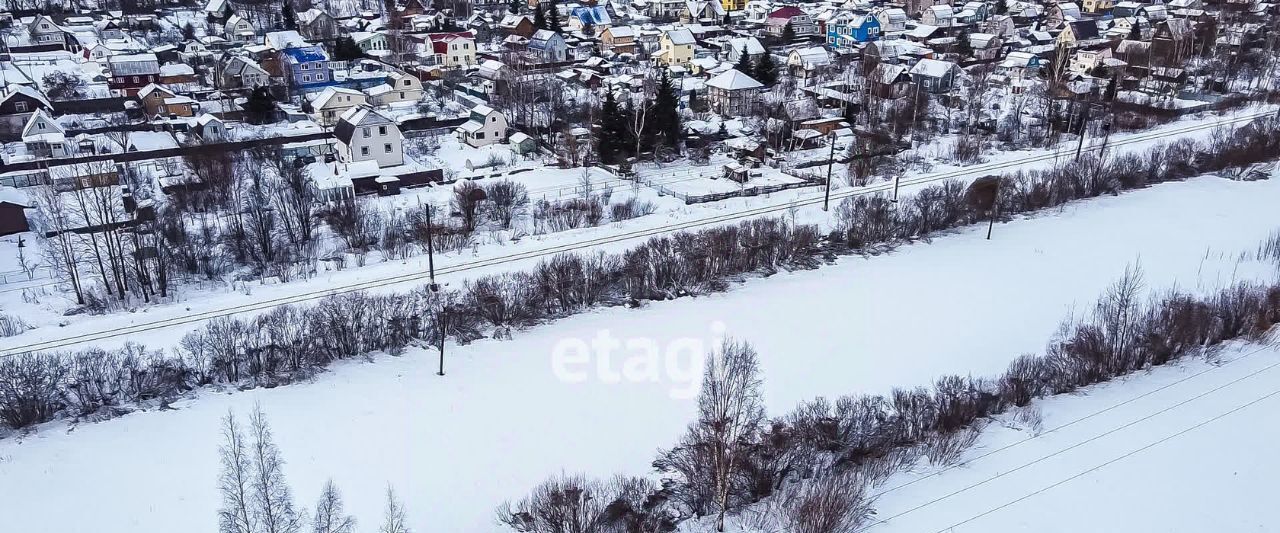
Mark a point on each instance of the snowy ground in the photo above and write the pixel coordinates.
(504, 418)
(1180, 450)
(159, 325)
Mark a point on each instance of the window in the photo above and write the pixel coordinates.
(386, 148)
(466, 46)
(402, 95)
(493, 119)
(366, 132)
(306, 77)
(319, 77)
(382, 130)
(479, 134)
(20, 107)
(306, 66)
(406, 83)
(364, 150)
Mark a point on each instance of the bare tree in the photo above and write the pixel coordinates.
(330, 516)
(730, 414)
(269, 493)
(507, 200)
(393, 519)
(235, 483)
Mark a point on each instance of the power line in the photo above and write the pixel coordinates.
(1113, 407)
(574, 246)
(1094, 438)
(1126, 455)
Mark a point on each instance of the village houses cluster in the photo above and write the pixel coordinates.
(341, 85)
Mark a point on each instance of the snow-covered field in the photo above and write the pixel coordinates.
(1182, 449)
(503, 418)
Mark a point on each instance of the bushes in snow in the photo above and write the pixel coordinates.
(813, 468)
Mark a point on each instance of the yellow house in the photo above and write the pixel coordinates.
(733, 5)
(675, 47)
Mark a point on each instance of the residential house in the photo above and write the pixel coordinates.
(675, 48)
(664, 9)
(934, 76)
(306, 67)
(486, 126)
(400, 87)
(858, 29)
(1061, 13)
(801, 23)
(891, 81)
(732, 93)
(177, 74)
(372, 42)
(159, 101)
(548, 47)
(317, 25)
(13, 217)
(806, 62)
(209, 128)
(589, 20)
(329, 104)
(457, 49)
(1097, 7)
(17, 103)
(1077, 31)
(891, 19)
(702, 10)
(366, 135)
(1001, 25)
(1172, 42)
(43, 34)
(986, 46)
(521, 25)
(132, 72)
(940, 16)
(618, 39)
(733, 5)
(745, 45)
(44, 138)
(1084, 61)
(243, 73)
(238, 29)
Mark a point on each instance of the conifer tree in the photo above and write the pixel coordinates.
(766, 70)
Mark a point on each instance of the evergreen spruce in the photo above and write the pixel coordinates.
(513, 6)
(290, 21)
(611, 143)
(553, 19)
(744, 63)
(666, 112)
(788, 33)
(539, 17)
(766, 70)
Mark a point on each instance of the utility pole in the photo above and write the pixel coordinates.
(831, 162)
(431, 259)
(895, 187)
(1084, 128)
(442, 322)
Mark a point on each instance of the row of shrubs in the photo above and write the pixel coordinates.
(816, 468)
(290, 342)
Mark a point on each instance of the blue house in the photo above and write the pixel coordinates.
(853, 29)
(308, 67)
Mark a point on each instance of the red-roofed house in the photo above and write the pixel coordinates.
(455, 49)
(801, 23)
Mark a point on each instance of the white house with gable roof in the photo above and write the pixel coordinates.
(486, 126)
